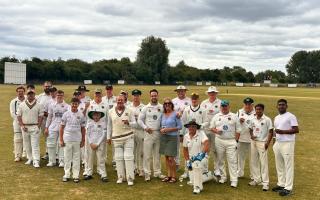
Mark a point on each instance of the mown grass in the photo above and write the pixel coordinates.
(18, 181)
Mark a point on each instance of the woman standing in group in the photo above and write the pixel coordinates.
(170, 125)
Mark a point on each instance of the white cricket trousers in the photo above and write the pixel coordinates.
(53, 147)
(151, 147)
(101, 160)
(212, 150)
(259, 162)
(31, 140)
(71, 156)
(196, 174)
(17, 139)
(138, 149)
(124, 158)
(243, 154)
(227, 147)
(284, 157)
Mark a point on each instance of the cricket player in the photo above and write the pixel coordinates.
(136, 107)
(96, 136)
(226, 126)
(119, 130)
(286, 128)
(45, 98)
(195, 149)
(180, 103)
(110, 99)
(53, 94)
(95, 104)
(150, 119)
(125, 94)
(55, 113)
(83, 90)
(72, 138)
(17, 137)
(193, 112)
(30, 116)
(211, 107)
(261, 132)
(245, 115)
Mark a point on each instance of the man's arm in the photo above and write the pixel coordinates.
(293, 130)
(83, 135)
(186, 153)
(61, 132)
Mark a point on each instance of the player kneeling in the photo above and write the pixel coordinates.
(96, 132)
(195, 149)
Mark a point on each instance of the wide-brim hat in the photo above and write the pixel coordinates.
(90, 113)
(192, 123)
(212, 89)
(181, 87)
(82, 88)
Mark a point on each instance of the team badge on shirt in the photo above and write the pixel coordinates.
(216, 106)
(149, 110)
(159, 110)
(262, 124)
(225, 127)
(102, 107)
(155, 117)
(186, 103)
(229, 118)
(99, 126)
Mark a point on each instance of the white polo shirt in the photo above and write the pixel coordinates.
(96, 132)
(194, 144)
(245, 132)
(136, 111)
(229, 124)
(73, 121)
(110, 101)
(261, 127)
(55, 113)
(150, 116)
(181, 104)
(211, 108)
(285, 122)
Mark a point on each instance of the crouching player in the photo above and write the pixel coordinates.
(72, 137)
(96, 135)
(195, 149)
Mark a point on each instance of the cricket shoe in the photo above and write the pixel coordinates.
(265, 188)
(254, 183)
(196, 190)
(130, 182)
(119, 181)
(147, 177)
(36, 165)
(29, 162)
(51, 164)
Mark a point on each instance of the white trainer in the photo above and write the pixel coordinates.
(184, 175)
(253, 183)
(51, 164)
(36, 165)
(119, 181)
(234, 184)
(265, 187)
(29, 162)
(196, 190)
(17, 159)
(130, 182)
(61, 164)
(147, 177)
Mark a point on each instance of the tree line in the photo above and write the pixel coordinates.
(152, 65)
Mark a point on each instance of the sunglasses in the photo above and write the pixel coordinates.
(167, 103)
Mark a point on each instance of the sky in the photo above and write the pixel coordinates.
(255, 34)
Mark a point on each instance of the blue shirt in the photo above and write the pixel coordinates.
(171, 121)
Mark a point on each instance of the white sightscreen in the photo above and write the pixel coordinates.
(15, 73)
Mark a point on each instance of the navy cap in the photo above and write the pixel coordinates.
(136, 92)
(248, 100)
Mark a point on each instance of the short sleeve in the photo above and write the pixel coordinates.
(270, 124)
(83, 121)
(203, 137)
(293, 121)
(185, 141)
(64, 119)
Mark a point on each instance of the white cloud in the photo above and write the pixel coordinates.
(257, 35)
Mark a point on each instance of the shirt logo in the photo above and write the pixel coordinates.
(186, 103)
(78, 117)
(159, 110)
(155, 117)
(216, 106)
(225, 127)
(149, 110)
(102, 107)
(262, 124)
(99, 126)
(229, 118)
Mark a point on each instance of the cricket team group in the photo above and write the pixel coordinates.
(77, 135)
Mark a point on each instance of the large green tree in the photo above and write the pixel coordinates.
(152, 57)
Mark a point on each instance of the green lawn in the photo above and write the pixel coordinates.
(18, 181)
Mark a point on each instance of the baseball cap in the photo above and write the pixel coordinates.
(181, 87)
(82, 88)
(109, 87)
(212, 89)
(224, 103)
(248, 100)
(97, 90)
(136, 92)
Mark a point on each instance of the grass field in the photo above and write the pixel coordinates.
(18, 181)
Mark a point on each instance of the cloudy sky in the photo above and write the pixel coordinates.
(255, 34)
